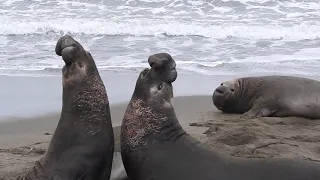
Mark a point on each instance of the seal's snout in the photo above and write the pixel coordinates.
(161, 60)
(220, 90)
(67, 47)
(224, 89)
(163, 66)
(220, 95)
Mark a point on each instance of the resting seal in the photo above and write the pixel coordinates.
(264, 96)
(155, 147)
(82, 145)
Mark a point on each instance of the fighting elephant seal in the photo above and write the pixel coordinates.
(155, 147)
(264, 96)
(82, 145)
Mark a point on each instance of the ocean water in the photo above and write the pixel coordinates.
(209, 37)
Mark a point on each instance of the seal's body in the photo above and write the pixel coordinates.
(279, 96)
(155, 147)
(82, 145)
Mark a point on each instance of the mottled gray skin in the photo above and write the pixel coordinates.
(266, 96)
(155, 147)
(82, 145)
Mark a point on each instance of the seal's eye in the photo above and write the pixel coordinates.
(160, 86)
(232, 90)
(221, 84)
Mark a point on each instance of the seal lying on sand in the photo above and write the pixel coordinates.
(264, 96)
(82, 145)
(155, 147)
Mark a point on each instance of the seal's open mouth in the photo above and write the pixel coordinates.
(220, 107)
(218, 101)
(219, 104)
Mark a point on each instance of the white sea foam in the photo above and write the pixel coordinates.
(203, 36)
(302, 55)
(301, 31)
(128, 18)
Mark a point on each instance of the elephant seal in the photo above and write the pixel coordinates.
(155, 147)
(266, 96)
(82, 145)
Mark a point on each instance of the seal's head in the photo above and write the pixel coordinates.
(150, 106)
(154, 85)
(79, 64)
(225, 95)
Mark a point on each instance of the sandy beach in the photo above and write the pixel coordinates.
(23, 141)
(210, 41)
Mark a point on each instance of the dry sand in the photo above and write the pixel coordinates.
(22, 141)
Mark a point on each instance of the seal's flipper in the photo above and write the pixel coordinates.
(259, 109)
(254, 113)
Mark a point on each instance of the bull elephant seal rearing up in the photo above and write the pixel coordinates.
(155, 147)
(82, 145)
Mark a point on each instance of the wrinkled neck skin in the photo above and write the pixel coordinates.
(84, 96)
(244, 98)
(146, 123)
(84, 101)
(76, 79)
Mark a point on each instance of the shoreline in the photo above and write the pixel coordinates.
(33, 96)
(26, 97)
(25, 130)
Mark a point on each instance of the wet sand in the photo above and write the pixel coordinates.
(23, 141)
